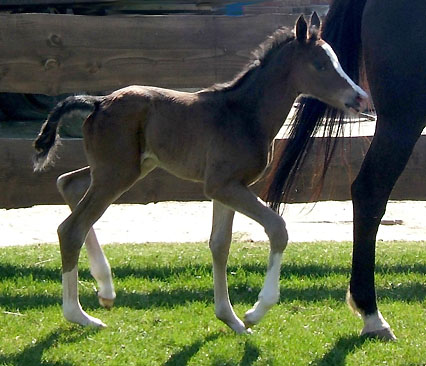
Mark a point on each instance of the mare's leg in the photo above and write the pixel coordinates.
(220, 242)
(72, 187)
(398, 89)
(241, 199)
(388, 154)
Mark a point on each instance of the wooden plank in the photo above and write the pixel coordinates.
(122, 3)
(8, 3)
(20, 187)
(53, 54)
(345, 166)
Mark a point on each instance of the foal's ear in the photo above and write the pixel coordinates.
(315, 21)
(301, 29)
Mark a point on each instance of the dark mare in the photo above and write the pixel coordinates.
(219, 136)
(388, 38)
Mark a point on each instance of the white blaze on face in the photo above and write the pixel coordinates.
(335, 61)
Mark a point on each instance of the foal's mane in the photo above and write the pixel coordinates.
(260, 57)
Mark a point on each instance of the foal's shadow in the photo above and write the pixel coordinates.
(33, 353)
(342, 348)
(181, 358)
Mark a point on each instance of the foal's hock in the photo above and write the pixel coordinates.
(219, 136)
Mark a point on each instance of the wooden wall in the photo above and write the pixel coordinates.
(20, 187)
(53, 54)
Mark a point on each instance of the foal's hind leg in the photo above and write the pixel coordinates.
(108, 183)
(220, 241)
(241, 199)
(72, 187)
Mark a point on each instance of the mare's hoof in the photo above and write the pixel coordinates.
(382, 334)
(106, 303)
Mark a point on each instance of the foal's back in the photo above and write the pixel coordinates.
(184, 133)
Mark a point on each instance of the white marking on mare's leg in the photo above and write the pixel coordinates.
(374, 324)
(270, 293)
(335, 61)
(100, 270)
(71, 306)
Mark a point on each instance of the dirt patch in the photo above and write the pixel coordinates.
(190, 222)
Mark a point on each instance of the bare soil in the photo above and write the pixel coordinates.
(178, 222)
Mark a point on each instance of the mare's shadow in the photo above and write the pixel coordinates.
(341, 349)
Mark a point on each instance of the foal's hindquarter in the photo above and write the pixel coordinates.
(192, 137)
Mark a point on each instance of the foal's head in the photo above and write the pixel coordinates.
(316, 70)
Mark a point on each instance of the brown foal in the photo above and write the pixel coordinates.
(219, 136)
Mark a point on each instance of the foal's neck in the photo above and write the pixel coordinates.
(267, 91)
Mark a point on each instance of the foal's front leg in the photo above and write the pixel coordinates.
(220, 242)
(241, 199)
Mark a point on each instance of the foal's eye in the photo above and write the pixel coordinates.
(319, 66)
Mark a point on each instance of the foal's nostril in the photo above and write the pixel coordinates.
(362, 101)
(357, 103)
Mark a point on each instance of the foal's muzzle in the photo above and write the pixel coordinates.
(357, 103)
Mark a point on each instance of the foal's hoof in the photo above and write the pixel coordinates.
(106, 303)
(248, 324)
(251, 318)
(82, 318)
(248, 331)
(96, 323)
(385, 334)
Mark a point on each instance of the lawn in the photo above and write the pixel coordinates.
(164, 310)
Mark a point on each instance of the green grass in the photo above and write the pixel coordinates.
(164, 310)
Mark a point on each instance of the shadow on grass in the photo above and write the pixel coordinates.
(182, 357)
(167, 273)
(168, 299)
(251, 354)
(33, 353)
(317, 291)
(341, 349)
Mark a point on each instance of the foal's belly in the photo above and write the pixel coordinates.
(189, 167)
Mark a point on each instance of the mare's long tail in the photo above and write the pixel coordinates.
(46, 142)
(342, 30)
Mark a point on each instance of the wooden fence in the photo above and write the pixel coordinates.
(53, 54)
(20, 187)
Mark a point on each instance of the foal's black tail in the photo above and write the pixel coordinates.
(46, 142)
(342, 30)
